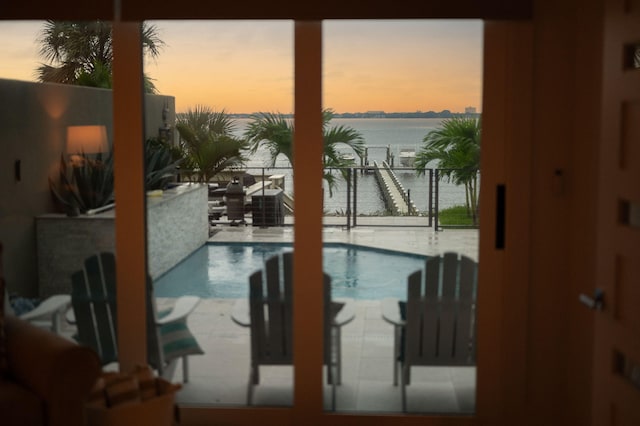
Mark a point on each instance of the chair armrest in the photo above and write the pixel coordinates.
(391, 311)
(60, 371)
(181, 309)
(49, 307)
(240, 312)
(49, 313)
(346, 314)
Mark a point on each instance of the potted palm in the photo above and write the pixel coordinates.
(208, 143)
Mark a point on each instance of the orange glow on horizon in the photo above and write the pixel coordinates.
(247, 66)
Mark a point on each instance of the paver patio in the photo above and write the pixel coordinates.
(220, 376)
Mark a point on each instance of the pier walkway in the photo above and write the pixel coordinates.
(394, 193)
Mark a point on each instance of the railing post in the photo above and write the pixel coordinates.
(355, 197)
(409, 201)
(437, 186)
(366, 159)
(264, 204)
(430, 202)
(348, 199)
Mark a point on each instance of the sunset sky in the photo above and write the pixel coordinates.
(247, 66)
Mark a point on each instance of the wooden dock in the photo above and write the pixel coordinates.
(395, 196)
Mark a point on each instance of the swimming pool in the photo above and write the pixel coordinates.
(221, 270)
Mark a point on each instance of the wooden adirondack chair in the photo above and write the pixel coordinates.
(93, 300)
(270, 307)
(438, 328)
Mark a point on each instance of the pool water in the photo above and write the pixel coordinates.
(222, 270)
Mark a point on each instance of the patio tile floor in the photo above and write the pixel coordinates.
(220, 376)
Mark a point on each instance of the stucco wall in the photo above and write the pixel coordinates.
(33, 122)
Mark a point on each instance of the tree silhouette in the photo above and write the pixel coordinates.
(81, 53)
(455, 146)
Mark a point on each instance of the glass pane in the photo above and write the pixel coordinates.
(632, 56)
(399, 201)
(222, 208)
(58, 147)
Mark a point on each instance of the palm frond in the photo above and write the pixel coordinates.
(73, 51)
(274, 132)
(207, 141)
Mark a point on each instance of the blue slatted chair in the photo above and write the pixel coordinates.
(94, 305)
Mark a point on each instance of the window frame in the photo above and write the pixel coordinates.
(130, 211)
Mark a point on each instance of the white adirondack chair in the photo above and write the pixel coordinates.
(270, 321)
(94, 313)
(438, 328)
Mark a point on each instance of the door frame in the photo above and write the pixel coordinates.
(502, 310)
(504, 252)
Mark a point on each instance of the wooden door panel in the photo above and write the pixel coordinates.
(616, 372)
(624, 412)
(632, 7)
(627, 292)
(629, 146)
(624, 417)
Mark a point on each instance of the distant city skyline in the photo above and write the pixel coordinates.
(247, 66)
(469, 112)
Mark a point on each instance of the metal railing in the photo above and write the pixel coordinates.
(356, 198)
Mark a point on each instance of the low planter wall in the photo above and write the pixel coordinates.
(176, 222)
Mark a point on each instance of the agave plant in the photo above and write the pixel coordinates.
(85, 184)
(160, 166)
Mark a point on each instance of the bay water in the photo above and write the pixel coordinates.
(381, 135)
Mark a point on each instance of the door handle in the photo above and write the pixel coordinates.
(596, 302)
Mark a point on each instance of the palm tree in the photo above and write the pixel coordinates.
(207, 141)
(455, 145)
(275, 132)
(81, 52)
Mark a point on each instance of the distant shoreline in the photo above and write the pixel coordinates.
(380, 114)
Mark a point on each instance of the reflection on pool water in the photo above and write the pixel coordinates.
(221, 270)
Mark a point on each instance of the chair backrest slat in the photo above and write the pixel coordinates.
(440, 316)
(465, 349)
(287, 306)
(428, 320)
(415, 310)
(276, 294)
(271, 314)
(271, 311)
(432, 283)
(155, 352)
(450, 269)
(256, 312)
(448, 307)
(328, 319)
(94, 305)
(95, 308)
